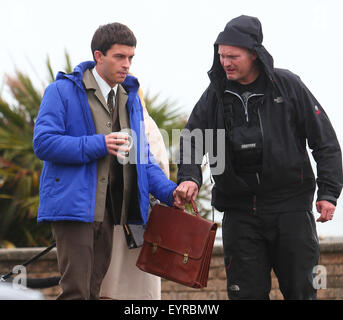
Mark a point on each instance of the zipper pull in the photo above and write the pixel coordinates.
(258, 178)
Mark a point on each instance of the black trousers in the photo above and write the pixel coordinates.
(256, 244)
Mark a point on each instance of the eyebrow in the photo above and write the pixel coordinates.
(122, 55)
(228, 55)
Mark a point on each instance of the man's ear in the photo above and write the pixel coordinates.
(253, 55)
(98, 56)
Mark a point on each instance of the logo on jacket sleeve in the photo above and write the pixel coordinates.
(278, 100)
(317, 109)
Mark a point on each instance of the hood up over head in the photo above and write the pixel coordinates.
(243, 31)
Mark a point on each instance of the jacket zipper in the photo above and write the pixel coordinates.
(261, 126)
(262, 133)
(258, 178)
(245, 105)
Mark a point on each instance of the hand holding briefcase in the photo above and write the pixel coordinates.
(178, 246)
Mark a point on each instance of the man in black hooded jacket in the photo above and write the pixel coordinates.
(267, 187)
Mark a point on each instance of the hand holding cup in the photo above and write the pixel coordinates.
(119, 143)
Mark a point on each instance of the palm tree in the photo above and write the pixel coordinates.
(19, 167)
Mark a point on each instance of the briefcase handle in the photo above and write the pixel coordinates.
(194, 206)
(196, 211)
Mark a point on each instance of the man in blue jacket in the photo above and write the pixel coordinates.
(86, 187)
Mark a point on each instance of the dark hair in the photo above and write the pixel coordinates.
(109, 34)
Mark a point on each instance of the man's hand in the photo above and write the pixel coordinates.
(326, 210)
(177, 203)
(185, 193)
(115, 142)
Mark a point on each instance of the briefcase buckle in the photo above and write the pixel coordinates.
(154, 247)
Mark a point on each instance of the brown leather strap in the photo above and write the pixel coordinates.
(195, 209)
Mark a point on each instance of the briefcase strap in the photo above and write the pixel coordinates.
(195, 209)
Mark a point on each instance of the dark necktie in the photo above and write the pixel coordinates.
(110, 103)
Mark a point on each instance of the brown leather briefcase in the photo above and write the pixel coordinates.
(178, 246)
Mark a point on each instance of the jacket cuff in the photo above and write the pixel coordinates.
(328, 198)
(190, 179)
(171, 199)
(104, 144)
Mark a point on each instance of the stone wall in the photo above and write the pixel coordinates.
(331, 259)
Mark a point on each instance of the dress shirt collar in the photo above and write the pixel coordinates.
(103, 85)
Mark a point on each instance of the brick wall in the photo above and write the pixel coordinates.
(331, 258)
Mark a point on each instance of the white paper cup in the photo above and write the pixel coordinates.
(124, 134)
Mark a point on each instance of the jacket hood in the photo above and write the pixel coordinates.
(77, 74)
(246, 32)
(130, 84)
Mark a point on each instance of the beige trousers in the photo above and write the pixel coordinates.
(123, 280)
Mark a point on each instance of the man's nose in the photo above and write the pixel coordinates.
(127, 63)
(227, 62)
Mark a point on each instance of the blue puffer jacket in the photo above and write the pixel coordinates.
(65, 139)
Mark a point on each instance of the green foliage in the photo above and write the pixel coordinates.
(19, 167)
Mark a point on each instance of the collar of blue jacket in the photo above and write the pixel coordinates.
(130, 84)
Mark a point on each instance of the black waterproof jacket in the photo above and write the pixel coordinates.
(290, 117)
